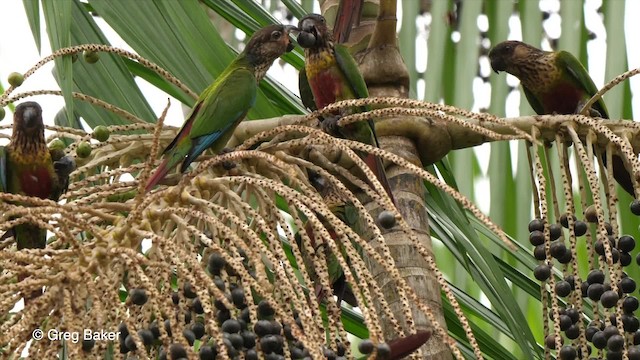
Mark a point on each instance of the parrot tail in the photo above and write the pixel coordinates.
(622, 176)
(160, 173)
(406, 345)
(375, 164)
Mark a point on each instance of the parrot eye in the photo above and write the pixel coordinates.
(276, 35)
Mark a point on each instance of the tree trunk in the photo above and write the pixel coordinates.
(386, 75)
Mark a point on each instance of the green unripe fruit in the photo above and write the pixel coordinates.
(57, 144)
(101, 133)
(15, 79)
(2, 113)
(83, 150)
(91, 57)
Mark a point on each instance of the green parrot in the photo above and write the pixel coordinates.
(28, 168)
(348, 214)
(223, 105)
(554, 82)
(333, 75)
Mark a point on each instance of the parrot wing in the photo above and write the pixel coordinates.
(349, 68)
(533, 101)
(222, 107)
(580, 77)
(306, 94)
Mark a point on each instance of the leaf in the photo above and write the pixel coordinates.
(57, 16)
(32, 9)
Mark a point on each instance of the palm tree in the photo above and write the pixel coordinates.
(192, 253)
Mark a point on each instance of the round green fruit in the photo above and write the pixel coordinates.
(90, 57)
(15, 79)
(101, 133)
(83, 150)
(57, 144)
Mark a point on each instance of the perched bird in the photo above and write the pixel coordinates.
(554, 82)
(333, 75)
(223, 105)
(27, 168)
(348, 214)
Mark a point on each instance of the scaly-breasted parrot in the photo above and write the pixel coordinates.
(333, 75)
(27, 168)
(223, 105)
(554, 82)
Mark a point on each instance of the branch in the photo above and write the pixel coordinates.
(438, 134)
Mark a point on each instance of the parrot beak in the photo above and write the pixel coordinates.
(290, 28)
(308, 25)
(498, 64)
(287, 30)
(30, 117)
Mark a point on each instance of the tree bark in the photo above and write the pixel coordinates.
(386, 75)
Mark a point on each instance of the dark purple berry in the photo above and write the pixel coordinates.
(599, 340)
(198, 329)
(630, 323)
(535, 224)
(539, 252)
(615, 343)
(188, 291)
(626, 243)
(580, 228)
(138, 296)
(627, 285)
(566, 258)
(630, 304)
(563, 288)
(558, 249)
(595, 291)
(634, 207)
(595, 277)
(609, 299)
(573, 332)
(565, 322)
(536, 238)
(589, 332)
(542, 272)
(555, 231)
(568, 353)
(366, 346)
(231, 326)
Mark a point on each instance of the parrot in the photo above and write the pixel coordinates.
(348, 214)
(224, 103)
(554, 82)
(333, 75)
(27, 168)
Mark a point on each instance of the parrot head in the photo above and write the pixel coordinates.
(314, 32)
(269, 43)
(27, 119)
(513, 57)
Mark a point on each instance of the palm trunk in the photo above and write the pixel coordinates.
(386, 75)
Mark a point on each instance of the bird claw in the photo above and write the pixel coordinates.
(329, 124)
(64, 166)
(591, 112)
(227, 165)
